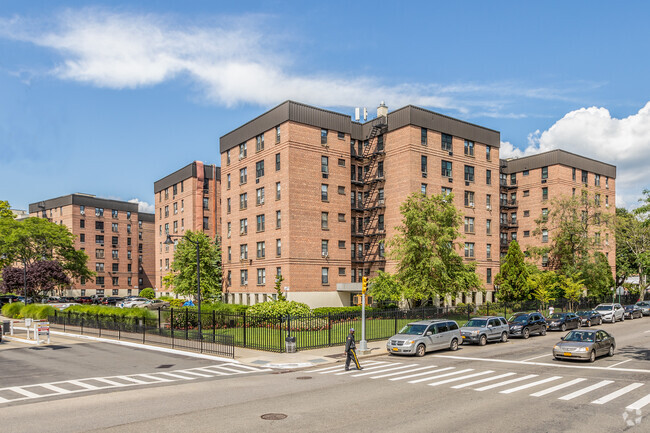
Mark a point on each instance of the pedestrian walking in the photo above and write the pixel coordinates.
(350, 351)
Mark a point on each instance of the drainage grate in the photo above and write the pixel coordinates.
(165, 366)
(303, 377)
(273, 416)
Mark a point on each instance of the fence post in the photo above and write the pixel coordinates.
(396, 313)
(214, 325)
(159, 313)
(186, 323)
(99, 326)
(82, 325)
(144, 329)
(329, 329)
(288, 325)
(64, 317)
(505, 310)
(244, 329)
(171, 324)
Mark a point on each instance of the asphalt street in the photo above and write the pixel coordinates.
(500, 387)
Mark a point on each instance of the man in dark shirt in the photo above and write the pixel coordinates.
(350, 351)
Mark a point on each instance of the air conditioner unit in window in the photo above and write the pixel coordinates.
(543, 180)
(325, 255)
(488, 207)
(451, 180)
(257, 180)
(451, 153)
(424, 174)
(466, 183)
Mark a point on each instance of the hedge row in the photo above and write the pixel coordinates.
(17, 310)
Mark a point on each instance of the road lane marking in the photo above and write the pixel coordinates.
(618, 393)
(194, 373)
(639, 404)
(506, 382)
(544, 364)
(132, 379)
(557, 387)
(233, 370)
(19, 390)
(537, 357)
(55, 388)
(453, 373)
(530, 385)
(586, 390)
(619, 363)
(456, 379)
(487, 379)
(402, 372)
(3, 400)
(422, 374)
(401, 367)
(335, 367)
(221, 373)
(374, 367)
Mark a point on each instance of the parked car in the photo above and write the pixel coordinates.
(97, 300)
(22, 299)
(67, 299)
(644, 306)
(563, 321)
(52, 300)
(480, 330)
(417, 338)
(590, 317)
(611, 312)
(632, 312)
(585, 344)
(154, 304)
(84, 300)
(131, 302)
(112, 300)
(524, 324)
(8, 299)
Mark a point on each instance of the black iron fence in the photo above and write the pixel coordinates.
(220, 332)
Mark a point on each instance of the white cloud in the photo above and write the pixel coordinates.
(143, 206)
(233, 60)
(594, 133)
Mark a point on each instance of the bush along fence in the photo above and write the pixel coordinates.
(178, 327)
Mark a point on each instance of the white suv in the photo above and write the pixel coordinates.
(611, 312)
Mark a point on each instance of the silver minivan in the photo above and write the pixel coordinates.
(418, 338)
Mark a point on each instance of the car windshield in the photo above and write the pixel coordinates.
(476, 323)
(604, 307)
(411, 329)
(556, 316)
(521, 318)
(642, 304)
(585, 336)
(584, 313)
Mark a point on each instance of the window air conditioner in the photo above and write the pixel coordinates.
(451, 153)
(466, 183)
(451, 180)
(543, 180)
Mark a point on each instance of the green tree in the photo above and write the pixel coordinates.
(428, 265)
(182, 279)
(148, 293)
(386, 287)
(278, 287)
(632, 236)
(512, 279)
(543, 286)
(572, 289)
(5, 210)
(597, 276)
(35, 239)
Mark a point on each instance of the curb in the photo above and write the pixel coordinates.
(21, 340)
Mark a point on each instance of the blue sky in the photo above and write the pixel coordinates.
(108, 97)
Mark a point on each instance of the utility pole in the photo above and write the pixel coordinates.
(363, 344)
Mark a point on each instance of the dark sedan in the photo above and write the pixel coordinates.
(112, 300)
(563, 321)
(585, 344)
(633, 312)
(590, 317)
(644, 306)
(524, 324)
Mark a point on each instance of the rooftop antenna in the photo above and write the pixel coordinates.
(356, 114)
(365, 114)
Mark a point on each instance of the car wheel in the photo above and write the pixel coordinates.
(588, 323)
(563, 327)
(482, 341)
(611, 350)
(622, 318)
(525, 333)
(543, 332)
(504, 337)
(592, 356)
(421, 350)
(454, 345)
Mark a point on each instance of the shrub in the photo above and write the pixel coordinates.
(148, 293)
(278, 309)
(342, 310)
(12, 310)
(38, 311)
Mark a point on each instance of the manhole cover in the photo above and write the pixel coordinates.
(273, 416)
(303, 377)
(165, 366)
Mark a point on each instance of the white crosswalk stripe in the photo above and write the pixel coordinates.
(639, 404)
(487, 379)
(402, 372)
(339, 366)
(177, 376)
(557, 387)
(507, 382)
(456, 379)
(132, 379)
(530, 385)
(55, 388)
(617, 394)
(586, 390)
(374, 367)
(110, 382)
(421, 374)
(399, 367)
(453, 373)
(24, 392)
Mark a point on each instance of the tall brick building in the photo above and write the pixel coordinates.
(188, 199)
(116, 236)
(529, 184)
(312, 195)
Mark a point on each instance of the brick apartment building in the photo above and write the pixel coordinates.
(188, 199)
(529, 184)
(117, 238)
(312, 195)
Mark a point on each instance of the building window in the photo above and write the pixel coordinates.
(469, 148)
(115, 267)
(469, 173)
(115, 254)
(243, 175)
(596, 179)
(585, 177)
(341, 190)
(324, 166)
(526, 213)
(445, 191)
(597, 199)
(341, 162)
(278, 247)
(243, 201)
(323, 192)
(342, 272)
(380, 222)
(488, 277)
(469, 225)
(114, 240)
(544, 235)
(175, 225)
(526, 233)
(342, 217)
(259, 196)
(206, 223)
(242, 150)
(324, 248)
(446, 168)
(544, 172)
(488, 177)
(114, 213)
(488, 227)
(206, 203)
(526, 193)
(99, 254)
(99, 267)
(573, 174)
(488, 153)
(447, 142)
(243, 274)
(278, 191)
(82, 238)
(323, 136)
(227, 157)
(229, 254)
(277, 134)
(488, 201)
(607, 182)
(423, 165)
(488, 251)
(423, 136)
(99, 212)
(545, 193)
(325, 279)
(259, 169)
(278, 219)
(259, 143)
(261, 277)
(243, 227)
(243, 252)
(469, 249)
(260, 223)
(82, 210)
(324, 220)
(341, 244)
(261, 250)
(229, 230)
(525, 173)
(513, 179)
(228, 205)
(469, 198)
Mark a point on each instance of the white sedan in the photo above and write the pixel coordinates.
(133, 302)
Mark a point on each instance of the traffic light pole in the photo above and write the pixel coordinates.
(363, 344)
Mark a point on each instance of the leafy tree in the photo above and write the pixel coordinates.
(41, 277)
(148, 293)
(385, 287)
(632, 237)
(597, 276)
(36, 239)
(543, 286)
(571, 289)
(512, 279)
(278, 287)
(428, 264)
(182, 280)
(5, 210)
